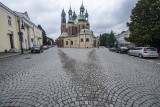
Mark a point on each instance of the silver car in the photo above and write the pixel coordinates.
(144, 52)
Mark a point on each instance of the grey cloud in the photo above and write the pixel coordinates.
(104, 15)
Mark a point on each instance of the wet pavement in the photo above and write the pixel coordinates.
(64, 77)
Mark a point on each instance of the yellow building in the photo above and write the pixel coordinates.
(13, 22)
(76, 32)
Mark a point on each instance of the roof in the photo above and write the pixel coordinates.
(70, 21)
(81, 19)
(86, 31)
(64, 34)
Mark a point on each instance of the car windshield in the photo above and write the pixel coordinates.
(138, 48)
(151, 49)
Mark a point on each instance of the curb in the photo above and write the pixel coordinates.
(6, 57)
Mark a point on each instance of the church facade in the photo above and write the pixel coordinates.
(76, 33)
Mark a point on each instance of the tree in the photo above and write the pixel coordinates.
(107, 39)
(144, 24)
(103, 39)
(111, 39)
(43, 34)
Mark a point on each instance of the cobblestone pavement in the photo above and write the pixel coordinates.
(63, 77)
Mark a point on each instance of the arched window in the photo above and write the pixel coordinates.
(87, 40)
(81, 39)
(71, 42)
(66, 42)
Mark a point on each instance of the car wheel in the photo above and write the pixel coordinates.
(129, 53)
(140, 56)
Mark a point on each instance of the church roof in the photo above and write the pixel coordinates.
(86, 31)
(81, 19)
(78, 19)
(71, 21)
(64, 34)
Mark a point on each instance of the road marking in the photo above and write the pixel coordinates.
(158, 63)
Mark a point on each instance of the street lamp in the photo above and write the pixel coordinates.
(20, 33)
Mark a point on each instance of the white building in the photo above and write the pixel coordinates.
(11, 23)
(121, 42)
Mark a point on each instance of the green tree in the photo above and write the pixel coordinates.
(107, 39)
(144, 23)
(111, 39)
(44, 34)
(103, 39)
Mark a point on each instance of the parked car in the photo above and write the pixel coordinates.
(144, 52)
(45, 47)
(49, 46)
(123, 50)
(112, 49)
(37, 48)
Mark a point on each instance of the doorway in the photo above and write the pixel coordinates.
(11, 40)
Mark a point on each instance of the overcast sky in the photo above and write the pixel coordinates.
(104, 15)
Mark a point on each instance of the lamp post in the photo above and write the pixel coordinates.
(20, 33)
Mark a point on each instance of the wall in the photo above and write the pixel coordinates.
(5, 29)
(69, 39)
(38, 38)
(85, 44)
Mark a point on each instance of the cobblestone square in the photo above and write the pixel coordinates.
(70, 77)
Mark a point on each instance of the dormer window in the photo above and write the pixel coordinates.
(9, 20)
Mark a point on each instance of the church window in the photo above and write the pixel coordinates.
(66, 42)
(81, 39)
(71, 42)
(87, 40)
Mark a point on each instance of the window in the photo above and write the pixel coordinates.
(66, 42)
(71, 42)
(81, 39)
(87, 40)
(151, 49)
(9, 21)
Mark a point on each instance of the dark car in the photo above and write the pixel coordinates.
(123, 50)
(37, 48)
(112, 49)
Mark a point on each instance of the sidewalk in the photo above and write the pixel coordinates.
(4, 55)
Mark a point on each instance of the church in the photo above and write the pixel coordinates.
(76, 33)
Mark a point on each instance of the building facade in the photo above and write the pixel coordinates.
(76, 33)
(11, 24)
(120, 40)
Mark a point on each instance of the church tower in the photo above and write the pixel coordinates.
(63, 21)
(82, 9)
(82, 19)
(70, 22)
(86, 16)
